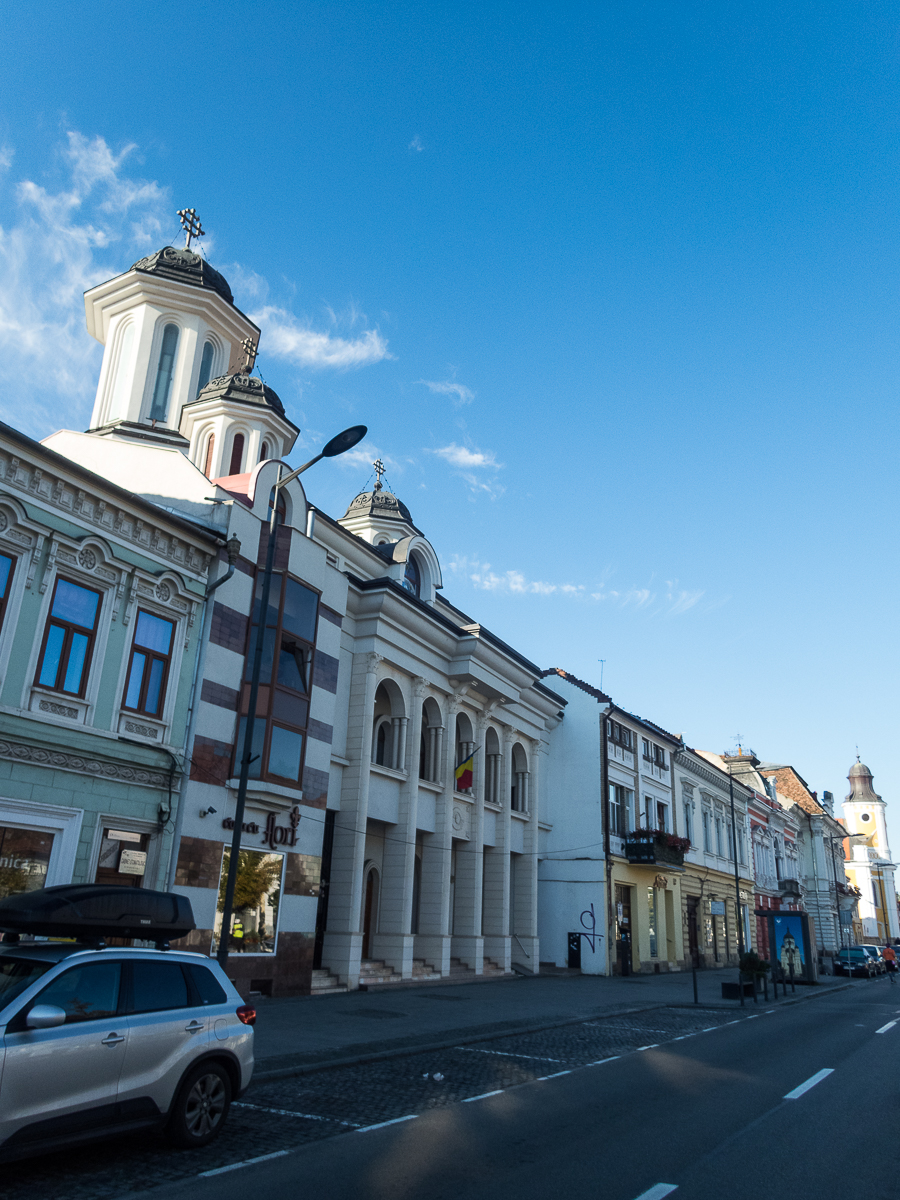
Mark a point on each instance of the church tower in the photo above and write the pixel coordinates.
(870, 865)
(177, 363)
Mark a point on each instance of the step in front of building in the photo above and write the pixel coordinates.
(378, 976)
(326, 984)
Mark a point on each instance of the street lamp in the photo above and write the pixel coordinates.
(737, 889)
(338, 444)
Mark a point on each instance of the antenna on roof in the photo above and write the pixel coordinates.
(602, 662)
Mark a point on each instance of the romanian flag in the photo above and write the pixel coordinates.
(464, 773)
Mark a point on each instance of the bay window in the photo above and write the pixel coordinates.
(282, 708)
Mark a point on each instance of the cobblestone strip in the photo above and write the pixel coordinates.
(278, 1116)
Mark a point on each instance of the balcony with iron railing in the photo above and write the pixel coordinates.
(655, 846)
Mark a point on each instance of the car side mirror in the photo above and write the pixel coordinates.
(45, 1016)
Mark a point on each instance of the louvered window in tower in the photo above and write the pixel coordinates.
(164, 374)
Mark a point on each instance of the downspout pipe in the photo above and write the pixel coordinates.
(607, 851)
(233, 550)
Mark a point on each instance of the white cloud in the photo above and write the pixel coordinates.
(285, 336)
(58, 244)
(448, 387)
(460, 456)
(416, 144)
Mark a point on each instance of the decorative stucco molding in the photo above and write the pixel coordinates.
(62, 761)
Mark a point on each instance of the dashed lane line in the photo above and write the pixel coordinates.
(658, 1191)
(287, 1112)
(383, 1124)
(483, 1096)
(507, 1054)
(803, 1088)
(248, 1162)
(885, 1028)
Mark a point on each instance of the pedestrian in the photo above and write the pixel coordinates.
(889, 955)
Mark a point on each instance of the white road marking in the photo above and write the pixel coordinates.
(754, 1016)
(382, 1124)
(248, 1162)
(709, 1029)
(810, 1083)
(555, 1076)
(508, 1054)
(739, 1019)
(652, 1046)
(885, 1028)
(658, 1191)
(483, 1096)
(287, 1112)
(601, 1061)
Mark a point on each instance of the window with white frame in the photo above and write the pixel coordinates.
(621, 800)
(719, 849)
(165, 372)
(689, 820)
(68, 643)
(148, 670)
(707, 831)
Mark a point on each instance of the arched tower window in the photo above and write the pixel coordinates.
(264, 452)
(164, 373)
(210, 446)
(205, 367)
(237, 454)
(412, 579)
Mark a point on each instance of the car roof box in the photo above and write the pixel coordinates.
(97, 910)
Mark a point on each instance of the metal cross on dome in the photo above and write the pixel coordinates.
(379, 471)
(250, 352)
(190, 223)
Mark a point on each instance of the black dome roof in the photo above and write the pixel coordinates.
(245, 389)
(378, 503)
(185, 267)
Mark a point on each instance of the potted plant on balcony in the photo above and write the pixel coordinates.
(655, 846)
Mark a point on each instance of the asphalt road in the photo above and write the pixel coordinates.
(740, 1109)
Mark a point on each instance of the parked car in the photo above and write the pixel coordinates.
(98, 1040)
(854, 961)
(875, 953)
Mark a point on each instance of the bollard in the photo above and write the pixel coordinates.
(793, 988)
(696, 997)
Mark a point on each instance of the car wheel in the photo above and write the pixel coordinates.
(201, 1107)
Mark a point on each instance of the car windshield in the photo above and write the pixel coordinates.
(16, 974)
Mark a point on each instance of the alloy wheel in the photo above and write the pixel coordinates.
(205, 1105)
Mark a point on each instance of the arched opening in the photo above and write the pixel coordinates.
(412, 577)
(389, 727)
(164, 373)
(205, 367)
(465, 748)
(117, 404)
(237, 454)
(370, 909)
(210, 447)
(519, 787)
(431, 742)
(492, 767)
(264, 452)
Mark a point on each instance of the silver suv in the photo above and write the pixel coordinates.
(102, 1041)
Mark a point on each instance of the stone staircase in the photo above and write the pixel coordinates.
(423, 972)
(373, 972)
(493, 970)
(377, 975)
(326, 984)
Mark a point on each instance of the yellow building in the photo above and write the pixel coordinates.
(869, 864)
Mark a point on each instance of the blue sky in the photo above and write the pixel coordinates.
(613, 287)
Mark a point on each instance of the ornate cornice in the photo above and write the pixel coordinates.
(57, 760)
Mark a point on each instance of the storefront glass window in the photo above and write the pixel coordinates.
(257, 894)
(651, 908)
(24, 859)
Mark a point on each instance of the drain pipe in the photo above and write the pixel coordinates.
(233, 550)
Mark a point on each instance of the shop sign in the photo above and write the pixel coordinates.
(133, 862)
(717, 908)
(273, 835)
(122, 835)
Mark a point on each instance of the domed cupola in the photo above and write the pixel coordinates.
(382, 519)
(169, 325)
(861, 785)
(236, 422)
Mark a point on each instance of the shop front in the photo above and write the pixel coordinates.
(647, 935)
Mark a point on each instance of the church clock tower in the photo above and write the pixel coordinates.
(870, 866)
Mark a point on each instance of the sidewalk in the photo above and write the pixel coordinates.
(305, 1034)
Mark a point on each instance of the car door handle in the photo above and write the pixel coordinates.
(113, 1039)
(194, 1027)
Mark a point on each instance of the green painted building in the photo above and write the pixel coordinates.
(101, 610)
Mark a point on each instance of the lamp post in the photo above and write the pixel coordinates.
(337, 445)
(737, 891)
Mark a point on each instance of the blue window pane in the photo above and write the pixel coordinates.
(75, 665)
(164, 373)
(292, 665)
(284, 753)
(52, 652)
(157, 669)
(300, 606)
(5, 567)
(135, 679)
(274, 600)
(259, 738)
(75, 604)
(265, 672)
(205, 366)
(153, 633)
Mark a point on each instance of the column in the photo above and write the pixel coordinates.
(342, 948)
(433, 940)
(394, 941)
(525, 948)
(496, 865)
(468, 943)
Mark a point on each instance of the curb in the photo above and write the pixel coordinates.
(354, 1060)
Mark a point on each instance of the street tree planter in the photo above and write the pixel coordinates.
(655, 846)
